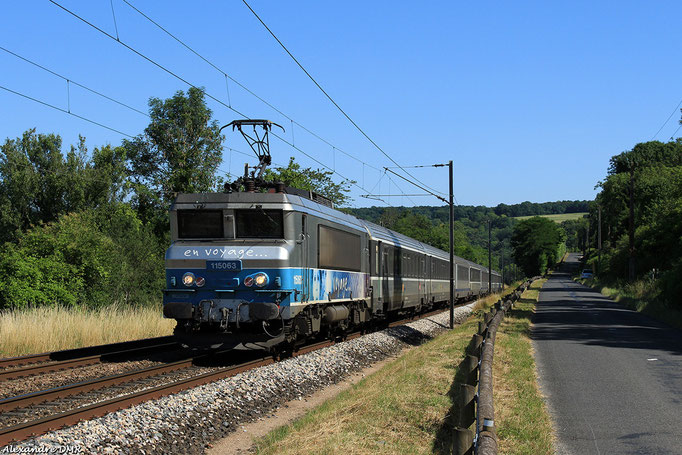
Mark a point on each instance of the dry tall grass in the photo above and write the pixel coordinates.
(486, 302)
(37, 330)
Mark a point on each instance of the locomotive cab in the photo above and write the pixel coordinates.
(228, 266)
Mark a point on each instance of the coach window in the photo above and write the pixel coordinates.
(475, 275)
(200, 224)
(259, 224)
(337, 249)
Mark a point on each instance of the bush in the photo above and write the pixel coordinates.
(95, 257)
(671, 285)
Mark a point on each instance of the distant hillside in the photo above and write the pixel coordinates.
(557, 218)
(430, 224)
(478, 213)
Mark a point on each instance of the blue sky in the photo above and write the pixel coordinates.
(529, 99)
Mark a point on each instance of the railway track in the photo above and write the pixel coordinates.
(72, 356)
(18, 414)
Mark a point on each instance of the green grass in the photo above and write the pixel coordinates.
(520, 411)
(408, 406)
(557, 218)
(405, 407)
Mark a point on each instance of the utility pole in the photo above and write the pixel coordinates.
(490, 257)
(587, 235)
(631, 227)
(452, 251)
(452, 227)
(502, 265)
(599, 238)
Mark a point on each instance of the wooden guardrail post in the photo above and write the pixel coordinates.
(470, 367)
(463, 443)
(474, 347)
(467, 405)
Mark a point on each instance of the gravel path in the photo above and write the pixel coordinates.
(187, 421)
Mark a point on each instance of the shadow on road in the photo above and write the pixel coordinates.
(571, 311)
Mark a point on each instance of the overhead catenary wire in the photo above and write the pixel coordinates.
(418, 186)
(667, 120)
(331, 99)
(396, 195)
(66, 112)
(71, 81)
(170, 72)
(245, 88)
(425, 166)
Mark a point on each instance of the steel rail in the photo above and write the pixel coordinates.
(82, 352)
(31, 369)
(56, 393)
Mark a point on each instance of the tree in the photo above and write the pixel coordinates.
(179, 151)
(635, 194)
(316, 180)
(90, 258)
(574, 231)
(38, 183)
(536, 242)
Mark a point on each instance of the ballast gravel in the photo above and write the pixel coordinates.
(188, 421)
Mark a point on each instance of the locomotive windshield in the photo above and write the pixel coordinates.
(200, 224)
(261, 224)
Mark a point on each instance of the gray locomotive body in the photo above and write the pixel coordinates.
(275, 268)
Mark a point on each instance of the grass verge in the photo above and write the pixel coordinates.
(408, 406)
(520, 414)
(641, 296)
(45, 329)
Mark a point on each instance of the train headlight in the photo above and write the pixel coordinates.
(261, 279)
(188, 279)
(200, 281)
(248, 281)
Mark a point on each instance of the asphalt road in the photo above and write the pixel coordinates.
(612, 377)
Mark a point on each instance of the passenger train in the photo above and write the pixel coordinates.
(249, 269)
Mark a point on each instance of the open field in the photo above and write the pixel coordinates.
(557, 218)
(46, 329)
(407, 406)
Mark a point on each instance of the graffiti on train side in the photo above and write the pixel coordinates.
(332, 284)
